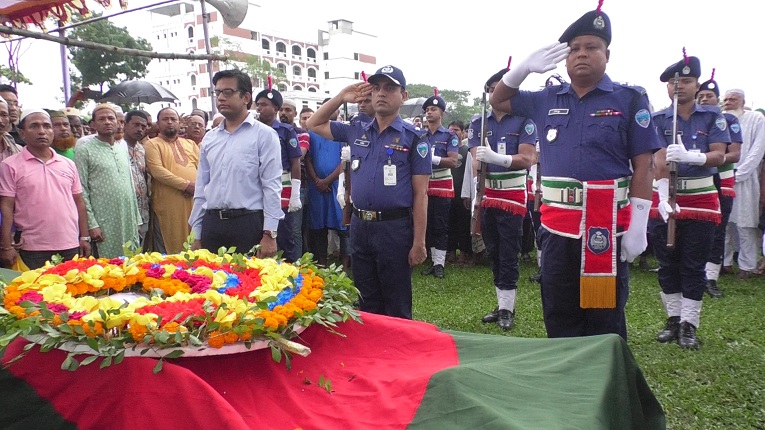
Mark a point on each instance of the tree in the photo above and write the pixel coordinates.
(458, 106)
(99, 67)
(12, 73)
(255, 66)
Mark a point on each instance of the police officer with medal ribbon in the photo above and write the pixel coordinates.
(709, 95)
(267, 103)
(390, 170)
(444, 149)
(596, 144)
(508, 149)
(702, 137)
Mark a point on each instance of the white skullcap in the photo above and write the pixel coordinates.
(217, 115)
(2, 101)
(117, 109)
(736, 91)
(289, 102)
(28, 112)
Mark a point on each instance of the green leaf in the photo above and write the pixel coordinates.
(158, 367)
(174, 354)
(118, 359)
(106, 362)
(89, 360)
(276, 354)
(93, 344)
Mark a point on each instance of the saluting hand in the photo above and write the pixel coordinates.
(357, 92)
(540, 61)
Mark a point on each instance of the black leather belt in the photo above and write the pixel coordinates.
(388, 215)
(230, 213)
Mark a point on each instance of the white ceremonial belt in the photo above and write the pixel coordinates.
(441, 174)
(569, 191)
(694, 183)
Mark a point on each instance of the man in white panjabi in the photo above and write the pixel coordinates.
(742, 227)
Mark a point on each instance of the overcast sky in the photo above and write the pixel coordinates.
(458, 47)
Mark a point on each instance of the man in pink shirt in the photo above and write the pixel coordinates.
(40, 192)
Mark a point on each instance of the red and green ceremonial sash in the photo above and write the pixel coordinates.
(597, 280)
(286, 188)
(529, 187)
(506, 191)
(697, 199)
(441, 183)
(562, 211)
(727, 179)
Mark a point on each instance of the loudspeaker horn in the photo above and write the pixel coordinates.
(232, 11)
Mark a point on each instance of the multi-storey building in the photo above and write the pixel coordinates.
(311, 70)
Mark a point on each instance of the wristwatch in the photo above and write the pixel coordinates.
(85, 238)
(270, 233)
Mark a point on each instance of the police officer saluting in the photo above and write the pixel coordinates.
(390, 169)
(508, 149)
(444, 149)
(267, 103)
(709, 95)
(702, 136)
(596, 143)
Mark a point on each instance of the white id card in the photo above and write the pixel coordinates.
(502, 148)
(389, 175)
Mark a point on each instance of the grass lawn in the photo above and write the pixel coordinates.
(721, 386)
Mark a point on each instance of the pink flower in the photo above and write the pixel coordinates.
(77, 315)
(57, 307)
(32, 296)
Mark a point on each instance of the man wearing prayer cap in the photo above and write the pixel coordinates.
(596, 143)
(698, 148)
(63, 138)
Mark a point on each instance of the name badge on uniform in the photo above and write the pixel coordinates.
(389, 175)
(669, 132)
(502, 147)
(364, 143)
(557, 112)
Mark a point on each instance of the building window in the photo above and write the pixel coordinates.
(193, 104)
(282, 68)
(254, 35)
(193, 80)
(311, 53)
(282, 87)
(297, 70)
(190, 30)
(356, 75)
(296, 50)
(356, 56)
(311, 73)
(326, 75)
(281, 47)
(311, 89)
(265, 44)
(297, 88)
(326, 55)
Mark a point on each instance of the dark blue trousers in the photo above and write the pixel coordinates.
(718, 243)
(437, 234)
(561, 263)
(381, 271)
(285, 238)
(682, 270)
(502, 233)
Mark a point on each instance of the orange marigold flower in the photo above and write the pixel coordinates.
(316, 295)
(271, 323)
(57, 320)
(138, 332)
(309, 305)
(245, 336)
(230, 337)
(18, 311)
(171, 327)
(215, 339)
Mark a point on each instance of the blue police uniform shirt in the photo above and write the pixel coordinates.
(512, 130)
(706, 125)
(593, 137)
(289, 143)
(361, 117)
(734, 128)
(369, 155)
(444, 140)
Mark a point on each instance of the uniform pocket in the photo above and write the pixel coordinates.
(555, 126)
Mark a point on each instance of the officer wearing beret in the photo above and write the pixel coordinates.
(702, 136)
(596, 143)
(267, 103)
(390, 169)
(444, 149)
(709, 95)
(508, 150)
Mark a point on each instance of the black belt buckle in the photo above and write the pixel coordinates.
(227, 214)
(368, 215)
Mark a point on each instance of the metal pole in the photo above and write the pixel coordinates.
(64, 65)
(205, 19)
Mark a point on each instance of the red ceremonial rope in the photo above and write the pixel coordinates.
(363, 76)
(713, 74)
(270, 83)
(600, 4)
(510, 60)
(685, 56)
(435, 92)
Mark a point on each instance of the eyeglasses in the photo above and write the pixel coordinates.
(228, 92)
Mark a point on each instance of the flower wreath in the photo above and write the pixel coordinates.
(194, 299)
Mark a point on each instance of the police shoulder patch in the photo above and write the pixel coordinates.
(293, 142)
(721, 123)
(422, 149)
(470, 133)
(643, 118)
(529, 128)
(735, 128)
(455, 141)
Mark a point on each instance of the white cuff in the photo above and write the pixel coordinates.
(436, 160)
(514, 77)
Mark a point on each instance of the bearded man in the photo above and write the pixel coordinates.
(63, 138)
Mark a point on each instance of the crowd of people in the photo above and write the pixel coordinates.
(585, 171)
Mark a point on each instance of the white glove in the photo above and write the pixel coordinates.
(341, 190)
(541, 61)
(345, 153)
(676, 152)
(634, 240)
(484, 154)
(436, 160)
(664, 208)
(295, 203)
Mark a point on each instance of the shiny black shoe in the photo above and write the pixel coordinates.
(670, 331)
(536, 277)
(687, 339)
(506, 319)
(438, 271)
(713, 290)
(429, 271)
(491, 317)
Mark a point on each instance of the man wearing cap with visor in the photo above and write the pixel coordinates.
(390, 169)
(702, 136)
(595, 142)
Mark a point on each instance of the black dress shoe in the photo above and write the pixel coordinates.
(429, 271)
(491, 317)
(688, 339)
(438, 271)
(536, 277)
(713, 290)
(506, 319)
(670, 331)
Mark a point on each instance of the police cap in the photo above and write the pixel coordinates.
(687, 67)
(272, 95)
(393, 74)
(494, 78)
(434, 101)
(595, 23)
